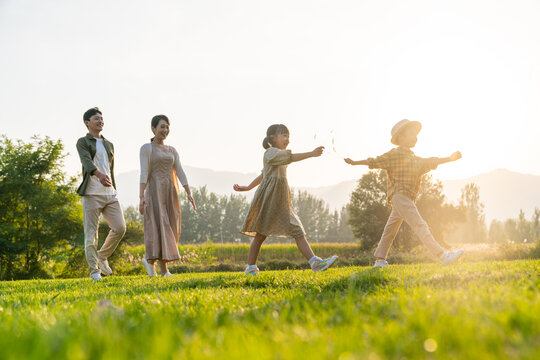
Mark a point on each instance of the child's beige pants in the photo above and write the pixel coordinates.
(403, 208)
(93, 207)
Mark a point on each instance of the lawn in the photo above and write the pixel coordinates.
(468, 310)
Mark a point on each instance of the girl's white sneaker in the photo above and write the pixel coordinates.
(323, 264)
(380, 263)
(251, 270)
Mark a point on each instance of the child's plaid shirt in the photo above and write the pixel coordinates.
(404, 170)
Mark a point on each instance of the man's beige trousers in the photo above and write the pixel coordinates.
(109, 207)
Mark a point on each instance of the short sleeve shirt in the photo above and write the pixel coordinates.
(404, 170)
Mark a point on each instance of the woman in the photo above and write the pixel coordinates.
(160, 166)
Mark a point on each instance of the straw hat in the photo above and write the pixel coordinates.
(402, 125)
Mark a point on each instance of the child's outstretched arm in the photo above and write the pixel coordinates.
(455, 156)
(254, 183)
(358, 162)
(302, 156)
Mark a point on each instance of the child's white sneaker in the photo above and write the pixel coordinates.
(449, 257)
(323, 264)
(251, 270)
(167, 274)
(150, 268)
(380, 263)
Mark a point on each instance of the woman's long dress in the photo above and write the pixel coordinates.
(162, 218)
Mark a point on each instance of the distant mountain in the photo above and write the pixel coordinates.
(503, 192)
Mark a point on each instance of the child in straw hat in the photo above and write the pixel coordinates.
(404, 170)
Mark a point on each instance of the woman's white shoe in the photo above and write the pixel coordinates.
(150, 269)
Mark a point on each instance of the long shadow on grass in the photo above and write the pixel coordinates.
(303, 284)
(366, 281)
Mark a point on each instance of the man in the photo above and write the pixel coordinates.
(98, 191)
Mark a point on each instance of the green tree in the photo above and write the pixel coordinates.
(523, 228)
(369, 209)
(39, 208)
(132, 213)
(473, 230)
(441, 216)
(496, 232)
(535, 224)
(511, 230)
(218, 218)
(200, 225)
(344, 231)
(235, 212)
(332, 232)
(314, 214)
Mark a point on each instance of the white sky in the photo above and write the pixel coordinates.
(223, 71)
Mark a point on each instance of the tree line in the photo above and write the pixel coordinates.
(219, 218)
(518, 230)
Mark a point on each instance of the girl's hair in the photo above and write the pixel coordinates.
(273, 130)
(155, 121)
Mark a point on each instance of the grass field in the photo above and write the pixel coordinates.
(476, 310)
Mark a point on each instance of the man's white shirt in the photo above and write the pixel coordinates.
(101, 160)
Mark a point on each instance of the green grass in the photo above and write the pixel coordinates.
(466, 311)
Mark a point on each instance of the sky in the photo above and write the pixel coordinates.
(337, 73)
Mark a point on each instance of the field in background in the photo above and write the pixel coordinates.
(480, 310)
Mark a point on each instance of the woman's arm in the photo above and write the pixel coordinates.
(180, 171)
(183, 178)
(190, 197)
(144, 158)
(254, 183)
(142, 201)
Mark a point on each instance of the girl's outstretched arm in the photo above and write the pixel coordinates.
(302, 156)
(254, 183)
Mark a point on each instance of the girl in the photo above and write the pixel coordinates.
(271, 212)
(160, 165)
